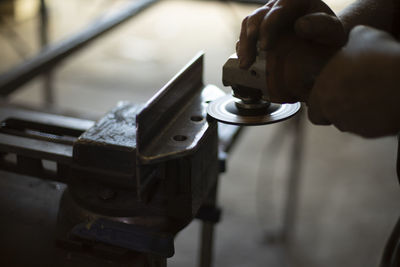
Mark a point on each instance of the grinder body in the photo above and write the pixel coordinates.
(268, 91)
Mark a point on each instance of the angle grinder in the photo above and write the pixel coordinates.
(292, 67)
(248, 104)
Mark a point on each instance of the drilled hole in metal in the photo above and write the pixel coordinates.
(196, 118)
(10, 158)
(179, 138)
(49, 165)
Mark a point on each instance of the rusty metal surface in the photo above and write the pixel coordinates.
(113, 137)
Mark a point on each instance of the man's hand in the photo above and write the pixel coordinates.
(310, 19)
(359, 89)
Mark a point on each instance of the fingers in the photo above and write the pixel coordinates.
(278, 20)
(271, 3)
(254, 22)
(265, 25)
(321, 28)
(246, 49)
(247, 46)
(241, 43)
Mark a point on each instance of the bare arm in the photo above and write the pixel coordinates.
(358, 90)
(379, 14)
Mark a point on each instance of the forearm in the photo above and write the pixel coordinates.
(361, 75)
(380, 14)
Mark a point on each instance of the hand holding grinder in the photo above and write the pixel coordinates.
(268, 91)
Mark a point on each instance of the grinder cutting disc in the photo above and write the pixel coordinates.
(225, 110)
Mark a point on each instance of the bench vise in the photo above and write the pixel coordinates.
(135, 177)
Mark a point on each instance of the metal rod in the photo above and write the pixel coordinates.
(52, 55)
(207, 233)
(294, 179)
(207, 240)
(48, 90)
(14, 38)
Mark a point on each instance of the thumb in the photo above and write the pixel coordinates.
(321, 28)
(315, 113)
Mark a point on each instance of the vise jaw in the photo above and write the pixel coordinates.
(164, 153)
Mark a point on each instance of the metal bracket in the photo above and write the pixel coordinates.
(173, 123)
